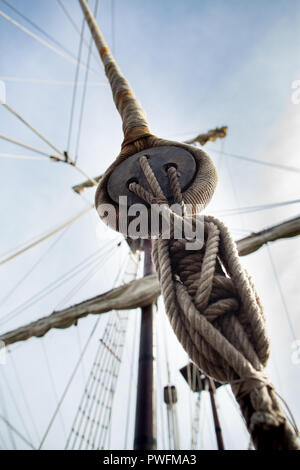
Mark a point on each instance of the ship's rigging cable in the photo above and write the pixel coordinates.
(36, 26)
(17, 432)
(16, 406)
(63, 156)
(84, 92)
(279, 166)
(262, 207)
(33, 267)
(4, 411)
(43, 42)
(50, 374)
(284, 304)
(29, 147)
(131, 380)
(173, 432)
(196, 423)
(48, 82)
(73, 23)
(89, 397)
(75, 86)
(86, 278)
(100, 386)
(56, 411)
(70, 381)
(46, 236)
(17, 375)
(23, 157)
(91, 260)
(17, 115)
(160, 387)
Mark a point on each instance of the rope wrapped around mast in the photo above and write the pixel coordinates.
(210, 300)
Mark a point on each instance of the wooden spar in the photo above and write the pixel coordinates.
(137, 293)
(211, 135)
(145, 418)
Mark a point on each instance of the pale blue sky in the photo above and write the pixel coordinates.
(194, 65)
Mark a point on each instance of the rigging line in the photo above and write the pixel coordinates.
(102, 391)
(190, 387)
(42, 41)
(233, 185)
(84, 399)
(107, 423)
(49, 82)
(89, 388)
(84, 90)
(17, 432)
(101, 385)
(22, 157)
(245, 210)
(21, 245)
(52, 384)
(24, 397)
(276, 276)
(113, 33)
(260, 162)
(86, 392)
(21, 144)
(104, 426)
(108, 414)
(78, 340)
(238, 411)
(83, 173)
(3, 444)
(83, 396)
(4, 410)
(109, 333)
(160, 386)
(17, 408)
(171, 411)
(77, 29)
(86, 278)
(75, 85)
(17, 285)
(131, 379)
(52, 286)
(104, 357)
(11, 110)
(38, 28)
(48, 235)
(69, 382)
(106, 411)
(104, 419)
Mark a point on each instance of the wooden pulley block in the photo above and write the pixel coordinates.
(160, 159)
(196, 172)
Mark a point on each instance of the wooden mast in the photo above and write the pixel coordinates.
(145, 418)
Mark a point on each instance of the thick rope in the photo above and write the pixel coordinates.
(217, 316)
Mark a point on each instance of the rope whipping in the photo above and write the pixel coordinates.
(209, 298)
